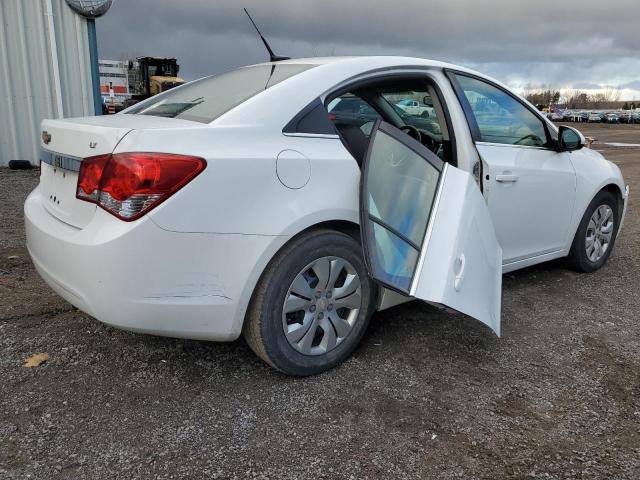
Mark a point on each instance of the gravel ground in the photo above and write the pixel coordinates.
(427, 395)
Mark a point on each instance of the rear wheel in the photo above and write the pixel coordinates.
(312, 305)
(596, 233)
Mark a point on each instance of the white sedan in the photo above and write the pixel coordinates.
(240, 204)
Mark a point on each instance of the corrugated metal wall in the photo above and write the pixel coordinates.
(27, 87)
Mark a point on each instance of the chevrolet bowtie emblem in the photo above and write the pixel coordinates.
(46, 137)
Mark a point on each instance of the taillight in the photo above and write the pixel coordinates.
(89, 178)
(131, 184)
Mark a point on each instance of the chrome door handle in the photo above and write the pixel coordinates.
(506, 178)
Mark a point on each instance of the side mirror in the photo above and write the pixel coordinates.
(427, 101)
(570, 139)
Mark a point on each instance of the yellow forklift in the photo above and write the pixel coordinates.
(150, 76)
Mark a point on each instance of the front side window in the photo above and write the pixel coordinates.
(205, 100)
(500, 117)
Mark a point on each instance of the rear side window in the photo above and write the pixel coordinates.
(349, 104)
(205, 100)
(500, 117)
(349, 109)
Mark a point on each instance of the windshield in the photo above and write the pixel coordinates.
(205, 100)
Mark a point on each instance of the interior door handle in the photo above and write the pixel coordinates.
(506, 178)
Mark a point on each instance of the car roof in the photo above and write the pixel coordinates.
(375, 60)
(280, 102)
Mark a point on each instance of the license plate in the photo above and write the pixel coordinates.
(58, 160)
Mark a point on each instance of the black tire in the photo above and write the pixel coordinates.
(578, 258)
(20, 165)
(263, 328)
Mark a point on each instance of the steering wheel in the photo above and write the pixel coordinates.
(423, 136)
(531, 136)
(430, 141)
(412, 132)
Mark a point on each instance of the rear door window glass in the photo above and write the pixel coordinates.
(400, 188)
(205, 100)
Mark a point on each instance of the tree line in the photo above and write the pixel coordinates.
(575, 99)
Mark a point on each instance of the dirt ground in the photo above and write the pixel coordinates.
(427, 395)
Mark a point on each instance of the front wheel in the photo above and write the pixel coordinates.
(596, 234)
(312, 304)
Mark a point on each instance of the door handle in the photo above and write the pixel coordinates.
(505, 178)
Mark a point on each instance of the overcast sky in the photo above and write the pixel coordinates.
(583, 44)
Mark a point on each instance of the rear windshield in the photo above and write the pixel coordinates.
(205, 100)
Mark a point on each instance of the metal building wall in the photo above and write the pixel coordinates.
(27, 81)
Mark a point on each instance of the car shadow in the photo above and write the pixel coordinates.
(416, 333)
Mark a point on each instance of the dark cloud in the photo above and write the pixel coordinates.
(635, 85)
(522, 43)
(585, 85)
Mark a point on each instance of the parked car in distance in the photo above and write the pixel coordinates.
(594, 117)
(430, 124)
(630, 117)
(576, 116)
(413, 107)
(250, 203)
(612, 118)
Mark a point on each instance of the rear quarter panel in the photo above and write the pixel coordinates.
(240, 192)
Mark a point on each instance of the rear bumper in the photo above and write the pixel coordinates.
(140, 277)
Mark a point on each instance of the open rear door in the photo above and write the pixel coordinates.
(426, 229)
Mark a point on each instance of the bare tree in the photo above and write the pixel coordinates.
(606, 98)
(541, 97)
(575, 99)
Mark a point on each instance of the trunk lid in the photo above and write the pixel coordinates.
(64, 143)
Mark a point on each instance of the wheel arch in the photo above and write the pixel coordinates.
(617, 192)
(343, 225)
(608, 186)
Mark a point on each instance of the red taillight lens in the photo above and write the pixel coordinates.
(89, 177)
(131, 184)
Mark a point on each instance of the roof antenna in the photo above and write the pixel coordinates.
(272, 56)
